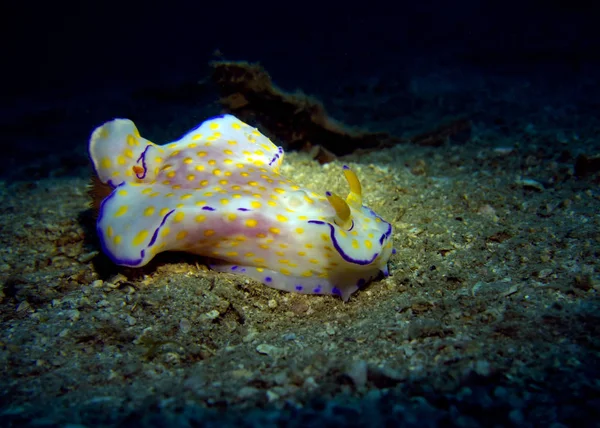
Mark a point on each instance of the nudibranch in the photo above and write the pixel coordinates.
(217, 192)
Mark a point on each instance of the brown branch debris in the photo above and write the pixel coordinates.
(297, 119)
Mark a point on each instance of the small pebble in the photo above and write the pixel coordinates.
(310, 383)
(329, 329)
(184, 325)
(211, 315)
(72, 314)
(503, 151)
(270, 350)
(84, 258)
(289, 336)
(23, 306)
(272, 396)
(528, 183)
(358, 373)
(247, 392)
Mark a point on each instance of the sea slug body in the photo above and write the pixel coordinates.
(217, 192)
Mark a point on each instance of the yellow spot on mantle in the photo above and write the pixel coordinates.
(132, 141)
(178, 217)
(140, 237)
(121, 211)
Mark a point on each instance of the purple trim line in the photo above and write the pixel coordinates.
(143, 159)
(339, 249)
(207, 208)
(105, 250)
(386, 234)
(277, 155)
(155, 235)
(103, 203)
(374, 214)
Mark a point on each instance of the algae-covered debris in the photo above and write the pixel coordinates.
(301, 122)
(297, 119)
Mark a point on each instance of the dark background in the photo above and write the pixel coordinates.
(69, 66)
